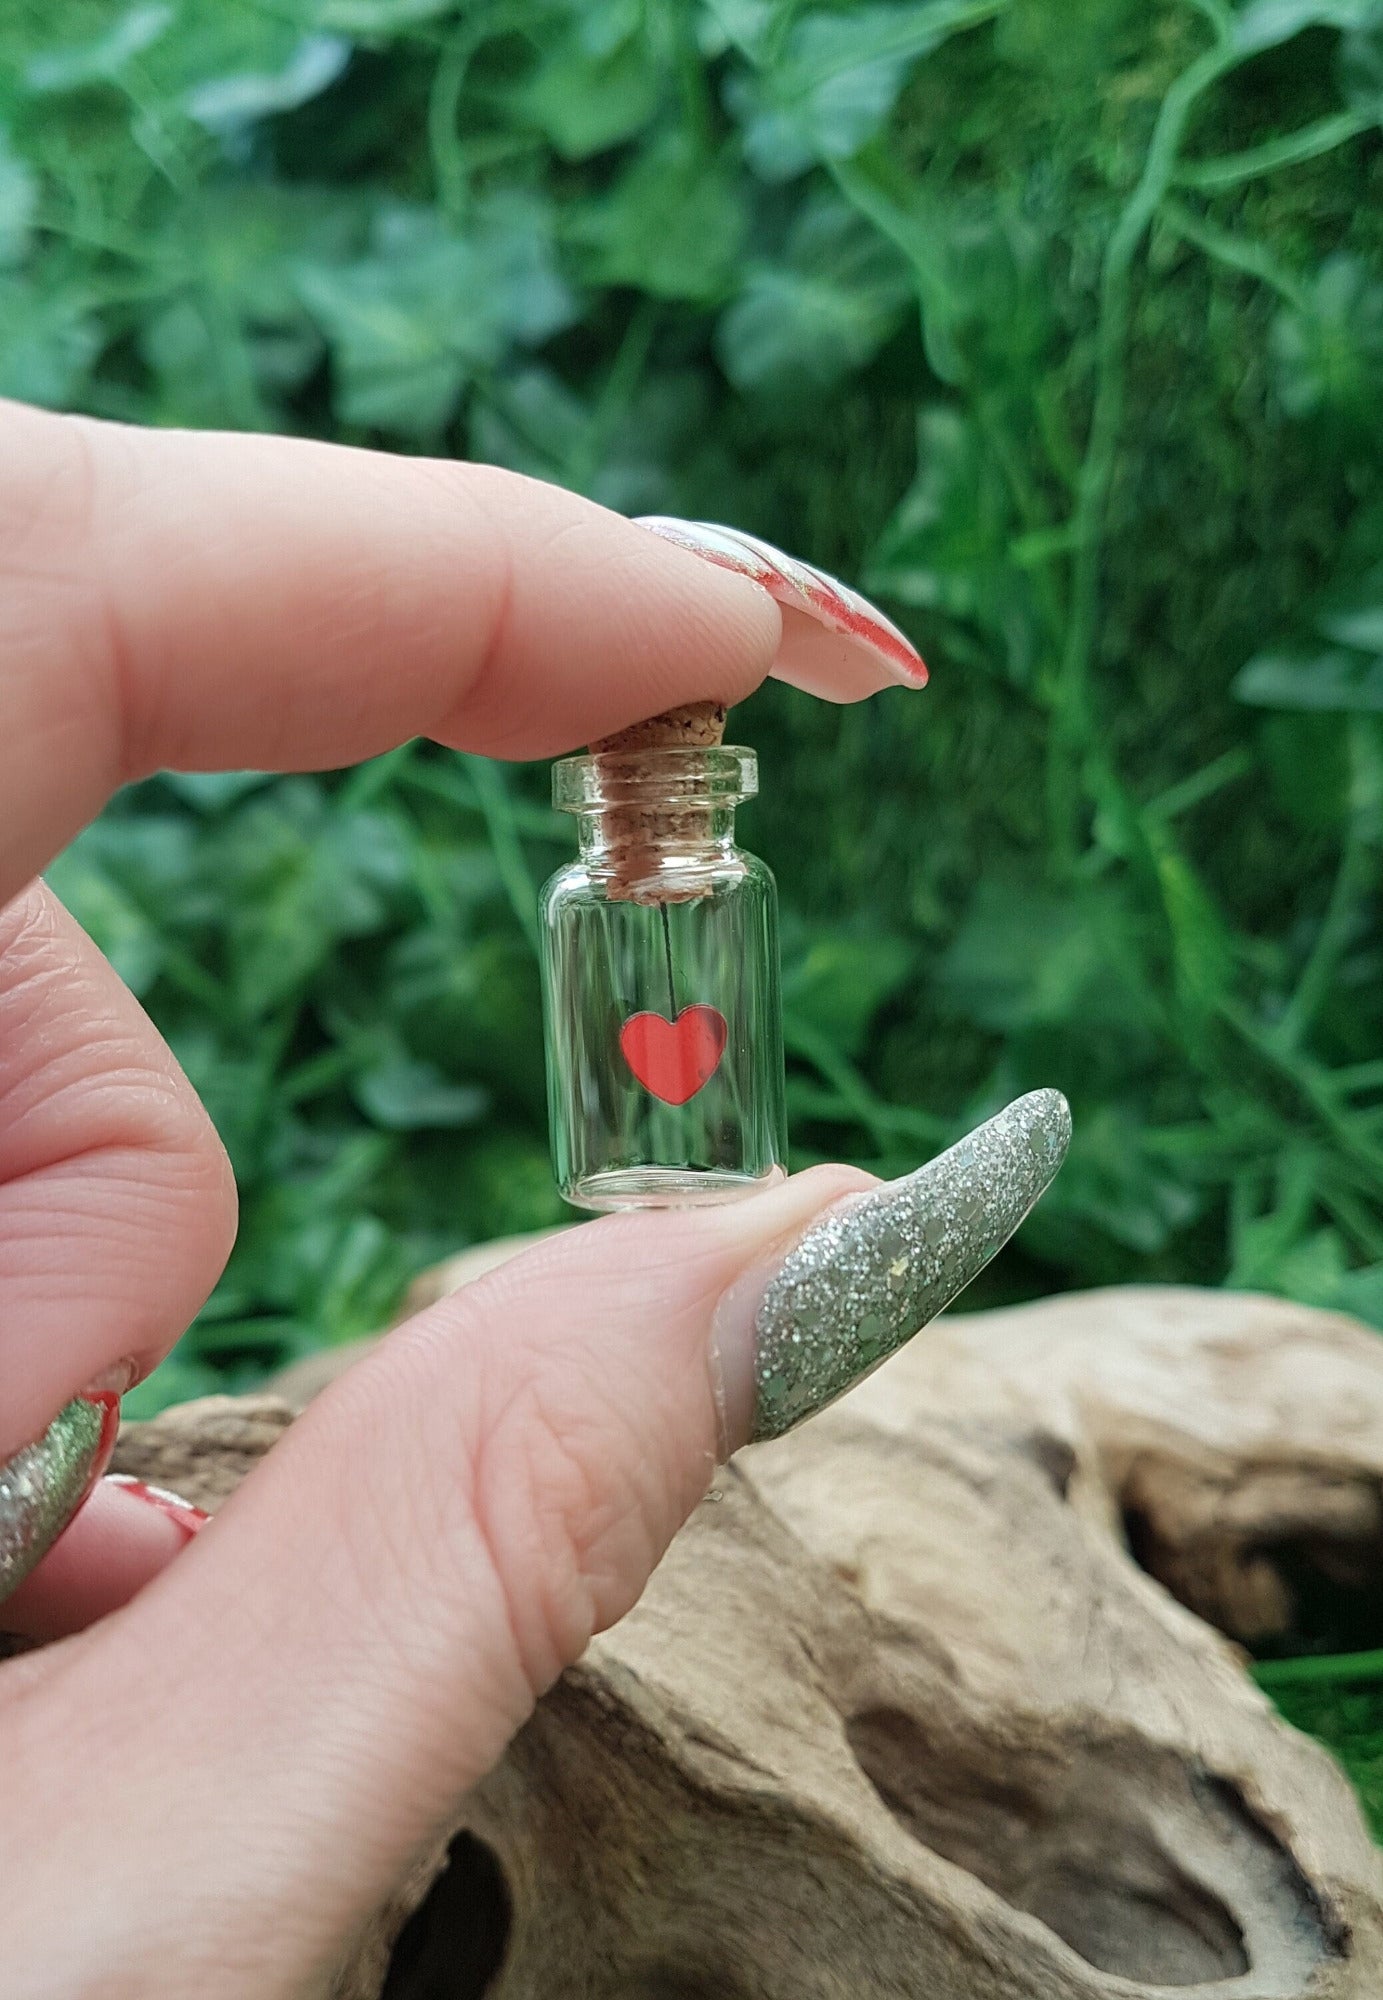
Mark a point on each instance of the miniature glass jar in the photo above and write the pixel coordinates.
(660, 985)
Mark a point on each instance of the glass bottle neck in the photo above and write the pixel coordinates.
(675, 838)
(657, 825)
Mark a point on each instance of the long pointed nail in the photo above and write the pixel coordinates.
(874, 1269)
(835, 643)
(44, 1483)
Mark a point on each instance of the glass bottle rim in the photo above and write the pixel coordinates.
(674, 776)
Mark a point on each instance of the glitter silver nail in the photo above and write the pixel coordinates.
(878, 1266)
(43, 1485)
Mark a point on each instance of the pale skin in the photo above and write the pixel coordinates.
(234, 1754)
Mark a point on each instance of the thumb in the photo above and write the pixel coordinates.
(293, 1707)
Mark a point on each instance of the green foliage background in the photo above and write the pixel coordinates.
(1056, 323)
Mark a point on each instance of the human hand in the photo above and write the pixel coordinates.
(234, 1755)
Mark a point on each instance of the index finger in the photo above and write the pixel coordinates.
(208, 601)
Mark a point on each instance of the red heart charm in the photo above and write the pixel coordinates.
(673, 1059)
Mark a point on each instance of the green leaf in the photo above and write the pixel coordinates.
(405, 1095)
(820, 314)
(747, 25)
(1264, 24)
(48, 341)
(838, 79)
(18, 200)
(473, 1008)
(1023, 959)
(1361, 1293)
(378, 17)
(301, 878)
(949, 545)
(1353, 614)
(1307, 759)
(1361, 68)
(509, 1188)
(1202, 949)
(1114, 1183)
(1331, 680)
(837, 982)
(981, 269)
(223, 102)
(673, 224)
(531, 421)
(214, 791)
(584, 102)
(1272, 1256)
(101, 60)
(1329, 356)
(126, 934)
(410, 324)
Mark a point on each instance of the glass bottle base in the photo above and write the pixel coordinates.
(667, 1187)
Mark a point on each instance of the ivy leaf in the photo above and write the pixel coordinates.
(1353, 614)
(746, 25)
(1264, 24)
(405, 1095)
(1114, 1183)
(48, 341)
(837, 81)
(102, 60)
(1335, 679)
(837, 982)
(948, 546)
(1203, 951)
(302, 878)
(213, 792)
(400, 354)
(225, 102)
(18, 199)
(1329, 356)
(378, 17)
(672, 225)
(1361, 68)
(514, 243)
(532, 422)
(1027, 960)
(584, 103)
(410, 324)
(126, 934)
(821, 313)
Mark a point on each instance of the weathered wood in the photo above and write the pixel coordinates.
(900, 1716)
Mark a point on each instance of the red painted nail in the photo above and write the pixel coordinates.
(835, 643)
(172, 1506)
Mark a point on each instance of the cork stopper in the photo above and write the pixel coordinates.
(699, 725)
(638, 832)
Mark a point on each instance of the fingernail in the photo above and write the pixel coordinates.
(120, 1376)
(44, 1483)
(180, 1512)
(873, 1269)
(835, 643)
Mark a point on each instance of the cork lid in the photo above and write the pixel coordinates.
(697, 725)
(836, 644)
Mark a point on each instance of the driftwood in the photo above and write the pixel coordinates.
(901, 1714)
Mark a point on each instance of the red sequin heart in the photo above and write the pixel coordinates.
(673, 1059)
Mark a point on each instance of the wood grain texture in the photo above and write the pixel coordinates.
(901, 1716)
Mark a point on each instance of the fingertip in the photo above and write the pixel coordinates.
(121, 1539)
(599, 625)
(739, 618)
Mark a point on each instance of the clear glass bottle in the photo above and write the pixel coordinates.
(660, 985)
